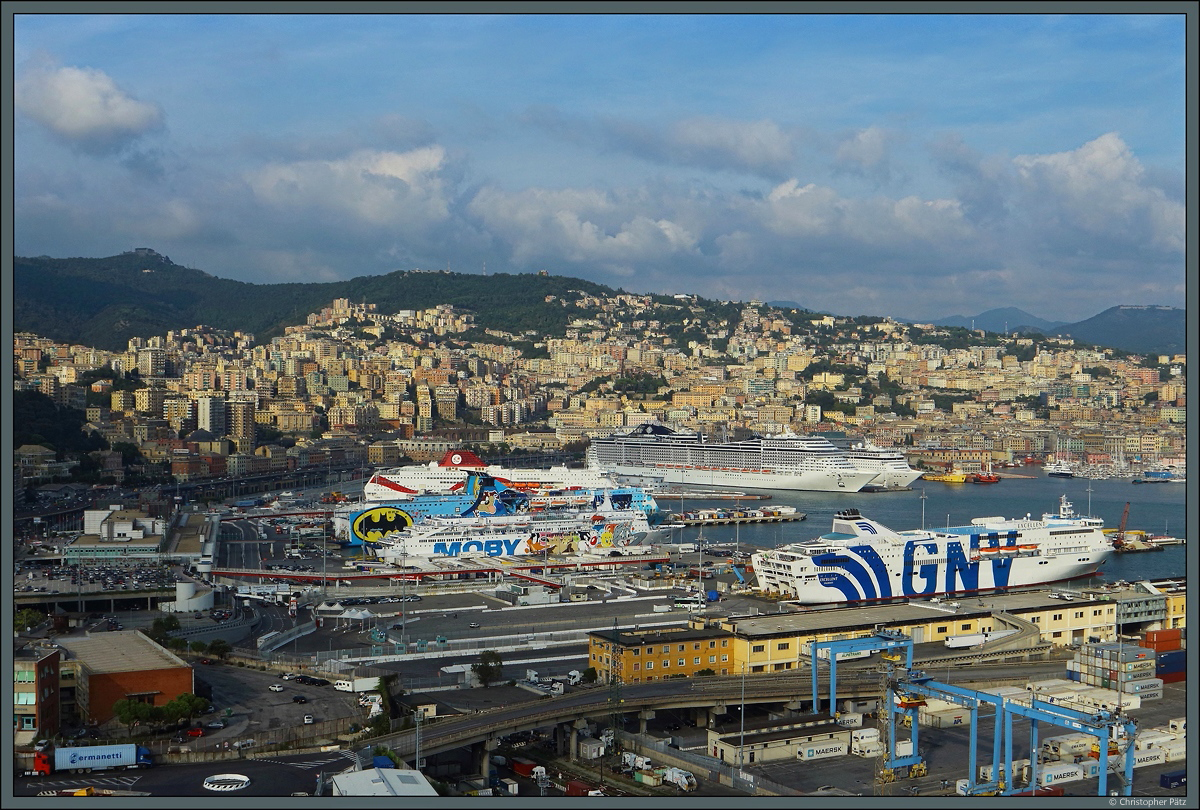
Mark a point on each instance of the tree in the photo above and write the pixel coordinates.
(197, 646)
(488, 668)
(219, 647)
(185, 707)
(27, 619)
(132, 713)
(590, 675)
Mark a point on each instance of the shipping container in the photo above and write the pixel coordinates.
(1150, 694)
(867, 749)
(1173, 677)
(1174, 752)
(1177, 725)
(850, 719)
(830, 748)
(864, 735)
(1055, 774)
(951, 717)
(1152, 756)
(1173, 779)
(904, 748)
(524, 767)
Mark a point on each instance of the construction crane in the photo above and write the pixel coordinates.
(1119, 538)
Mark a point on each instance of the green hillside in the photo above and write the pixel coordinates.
(104, 302)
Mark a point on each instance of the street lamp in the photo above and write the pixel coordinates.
(742, 738)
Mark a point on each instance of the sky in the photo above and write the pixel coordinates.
(914, 166)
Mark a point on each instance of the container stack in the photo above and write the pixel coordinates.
(1170, 647)
(1112, 665)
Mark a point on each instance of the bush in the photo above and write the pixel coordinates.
(241, 663)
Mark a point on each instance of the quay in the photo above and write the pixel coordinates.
(710, 496)
(729, 521)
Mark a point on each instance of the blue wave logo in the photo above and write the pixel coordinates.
(866, 527)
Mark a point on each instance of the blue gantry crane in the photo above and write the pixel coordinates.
(907, 689)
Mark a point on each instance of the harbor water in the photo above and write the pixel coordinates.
(1154, 509)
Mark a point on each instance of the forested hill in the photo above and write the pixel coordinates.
(104, 302)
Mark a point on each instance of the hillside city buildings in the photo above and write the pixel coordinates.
(388, 381)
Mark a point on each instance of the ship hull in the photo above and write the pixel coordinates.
(823, 481)
(934, 580)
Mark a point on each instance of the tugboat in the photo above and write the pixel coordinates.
(987, 477)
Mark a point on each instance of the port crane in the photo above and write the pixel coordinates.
(907, 688)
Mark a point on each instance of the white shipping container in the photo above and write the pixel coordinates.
(962, 786)
(904, 748)
(1152, 756)
(1148, 685)
(1178, 725)
(850, 719)
(1066, 746)
(868, 749)
(1050, 683)
(823, 750)
(1057, 774)
(864, 735)
(951, 717)
(1152, 738)
(1175, 752)
(1151, 694)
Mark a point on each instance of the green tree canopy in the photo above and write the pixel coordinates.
(488, 668)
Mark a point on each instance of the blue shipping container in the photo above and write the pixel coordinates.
(383, 762)
(1173, 779)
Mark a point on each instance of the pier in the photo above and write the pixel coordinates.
(711, 496)
(731, 520)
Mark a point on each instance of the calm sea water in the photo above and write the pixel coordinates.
(1154, 508)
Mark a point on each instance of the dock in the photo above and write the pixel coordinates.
(729, 521)
(710, 496)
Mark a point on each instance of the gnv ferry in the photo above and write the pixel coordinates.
(862, 560)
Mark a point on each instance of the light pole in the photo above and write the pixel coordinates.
(742, 738)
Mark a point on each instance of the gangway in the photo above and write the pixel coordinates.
(907, 688)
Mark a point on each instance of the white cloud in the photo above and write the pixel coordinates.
(866, 152)
(1101, 189)
(400, 189)
(84, 107)
(578, 226)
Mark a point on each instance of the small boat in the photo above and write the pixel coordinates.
(1059, 470)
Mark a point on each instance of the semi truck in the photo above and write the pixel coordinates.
(87, 758)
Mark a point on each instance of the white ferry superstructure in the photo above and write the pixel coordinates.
(888, 463)
(584, 532)
(862, 560)
(449, 473)
(787, 462)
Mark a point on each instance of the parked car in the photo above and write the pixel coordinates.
(276, 687)
(308, 720)
(216, 724)
(474, 625)
(299, 699)
(195, 732)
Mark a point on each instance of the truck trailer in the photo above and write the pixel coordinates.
(87, 758)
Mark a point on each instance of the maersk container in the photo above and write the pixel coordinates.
(1151, 694)
(1148, 685)
(1151, 756)
(824, 750)
(850, 720)
(1057, 774)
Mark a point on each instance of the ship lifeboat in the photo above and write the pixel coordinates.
(1028, 547)
(991, 550)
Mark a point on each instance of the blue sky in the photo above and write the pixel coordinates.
(917, 166)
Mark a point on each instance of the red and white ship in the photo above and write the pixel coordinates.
(450, 473)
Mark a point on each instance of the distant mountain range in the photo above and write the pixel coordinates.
(141, 293)
(1136, 329)
(1003, 320)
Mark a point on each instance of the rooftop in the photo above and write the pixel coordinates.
(120, 651)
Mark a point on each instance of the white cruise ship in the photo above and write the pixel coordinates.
(862, 560)
(450, 472)
(788, 462)
(599, 532)
(888, 463)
